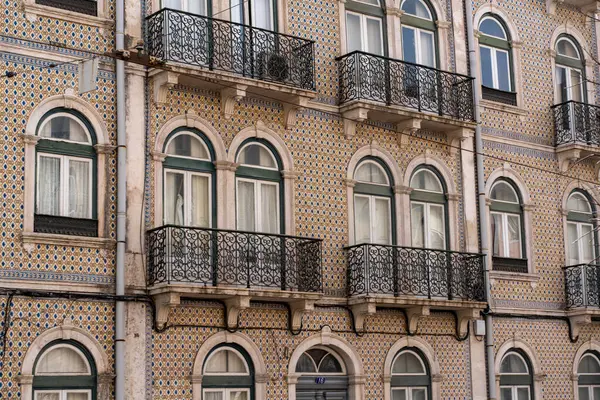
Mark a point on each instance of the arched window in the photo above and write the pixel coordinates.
(373, 203)
(419, 33)
(588, 373)
(496, 59)
(428, 209)
(228, 374)
(365, 27)
(259, 188)
(188, 180)
(411, 379)
(506, 220)
(516, 378)
(322, 375)
(580, 229)
(66, 189)
(570, 79)
(64, 371)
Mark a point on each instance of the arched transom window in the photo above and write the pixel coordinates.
(410, 376)
(228, 375)
(516, 379)
(320, 361)
(570, 82)
(428, 209)
(64, 371)
(588, 372)
(322, 375)
(495, 54)
(581, 235)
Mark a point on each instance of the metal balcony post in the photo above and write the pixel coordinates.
(368, 268)
(449, 273)
(395, 274)
(282, 263)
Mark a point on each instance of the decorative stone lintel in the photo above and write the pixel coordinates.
(528, 207)
(387, 378)
(395, 12)
(261, 378)
(456, 136)
(575, 377)
(104, 148)
(413, 314)
(361, 312)
(158, 156)
(539, 377)
(352, 118)
(551, 53)
(401, 189)
(163, 83)
(298, 309)
(453, 196)
(350, 182)
(437, 378)
(106, 378)
(30, 139)
(25, 379)
(225, 165)
(464, 318)
(515, 44)
(577, 321)
(443, 24)
(234, 306)
(29, 239)
(229, 97)
(196, 379)
(164, 303)
(357, 379)
(291, 175)
(406, 129)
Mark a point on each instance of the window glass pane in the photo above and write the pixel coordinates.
(427, 49)
(174, 198)
(197, 7)
(258, 156)
(238, 395)
(381, 222)
(61, 361)
(487, 77)
(409, 44)
(246, 207)
(79, 189)
(187, 146)
(353, 32)
(577, 202)
(77, 396)
(576, 94)
(417, 223)
(236, 11)
(213, 395)
(566, 48)
(502, 191)
(587, 243)
(561, 84)
(416, 8)
(584, 393)
(513, 364)
(523, 393)
(399, 394)
(573, 242)
(362, 222)
(437, 234)
(305, 364)
(497, 235)
(174, 4)
(235, 364)
(262, 15)
(329, 364)
(588, 365)
(408, 363)
(200, 196)
(374, 39)
(514, 236)
(503, 70)
(491, 27)
(596, 391)
(269, 208)
(506, 394)
(419, 394)
(65, 128)
(426, 180)
(371, 173)
(47, 396)
(49, 186)
(217, 362)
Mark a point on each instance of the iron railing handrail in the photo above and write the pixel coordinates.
(582, 285)
(580, 265)
(413, 248)
(564, 103)
(576, 122)
(234, 231)
(467, 77)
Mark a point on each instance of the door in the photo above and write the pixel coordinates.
(581, 252)
(422, 84)
(569, 84)
(188, 34)
(325, 387)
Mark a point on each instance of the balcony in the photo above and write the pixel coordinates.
(577, 128)
(231, 58)
(233, 267)
(582, 294)
(416, 280)
(409, 95)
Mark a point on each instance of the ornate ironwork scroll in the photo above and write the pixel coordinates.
(582, 286)
(576, 122)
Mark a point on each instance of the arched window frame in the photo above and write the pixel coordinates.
(262, 175)
(365, 11)
(514, 382)
(330, 351)
(512, 101)
(374, 191)
(588, 382)
(429, 199)
(496, 45)
(410, 382)
(534, 365)
(226, 383)
(67, 151)
(417, 24)
(590, 347)
(190, 166)
(62, 384)
(581, 219)
(569, 64)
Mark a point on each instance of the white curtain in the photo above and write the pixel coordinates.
(79, 189)
(174, 198)
(576, 94)
(200, 196)
(561, 84)
(245, 206)
(77, 396)
(362, 219)
(437, 235)
(49, 186)
(587, 243)
(506, 393)
(61, 360)
(417, 221)
(353, 33)
(174, 4)
(497, 235)
(236, 11)
(262, 15)
(374, 38)
(381, 221)
(238, 395)
(427, 54)
(47, 396)
(418, 394)
(514, 236)
(213, 395)
(523, 393)
(269, 208)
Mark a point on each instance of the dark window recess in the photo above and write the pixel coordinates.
(510, 265)
(65, 225)
(89, 7)
(499, 96)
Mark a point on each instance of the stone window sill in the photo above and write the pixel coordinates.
(33, 11)
(515, 276)
(492, 105)
(31, 238)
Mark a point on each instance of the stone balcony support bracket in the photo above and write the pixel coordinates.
(464, 317)
(351, 118)
(413, 314)
(163, 83)
(571, 154)
(455, 138)
(291, 108)
(577, 321)
(234, 306)
(230, 96)
(297, 311)
(164, 302)
(360, 312)
(406, 129)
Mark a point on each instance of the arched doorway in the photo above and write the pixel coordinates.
(322, 375)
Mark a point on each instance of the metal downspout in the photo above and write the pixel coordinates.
(483, 217)
(121, 206)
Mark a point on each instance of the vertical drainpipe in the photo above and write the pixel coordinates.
(121, 206)
(483, 217)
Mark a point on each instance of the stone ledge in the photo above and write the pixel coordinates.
(492, 105)
(515, 276)
(33, 11)
(30, 238)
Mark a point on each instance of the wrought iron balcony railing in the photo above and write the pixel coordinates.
(366, 76)
(582, 286)
(88, 7)
(408, 271)
(576, 122)
(216, 257)
(181, 37)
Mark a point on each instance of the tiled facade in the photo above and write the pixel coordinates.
(63, 281)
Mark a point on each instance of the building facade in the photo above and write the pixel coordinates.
(302, 212)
